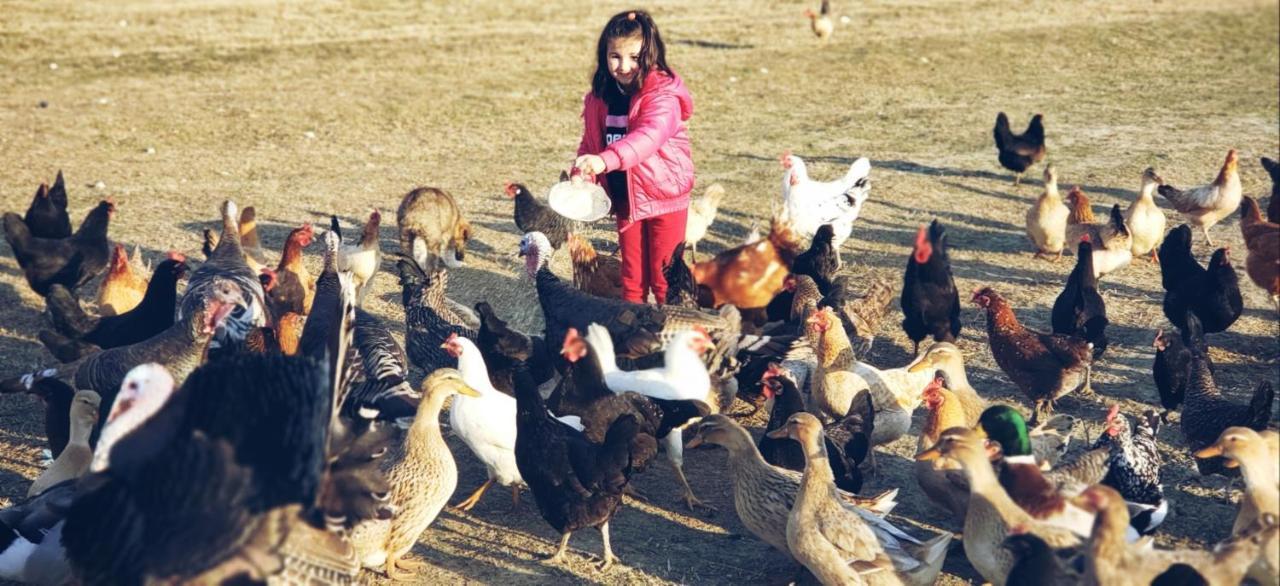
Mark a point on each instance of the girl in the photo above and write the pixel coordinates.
(634, 134)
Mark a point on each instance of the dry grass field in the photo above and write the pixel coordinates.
(309, 108)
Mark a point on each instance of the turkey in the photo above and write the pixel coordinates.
(226, 264)
(809, 204)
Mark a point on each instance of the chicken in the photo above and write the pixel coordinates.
(254, 255)
(1134, 466)
(1079, 310)
(78, 334)
(1046, 367)
(1262, 240)
(364, 258)
(702, 213)
(72, 261)
(844, 456)
(820, 22)
(532, 215)
(294, 288)
(860, 314)
(1113, 248)
(1207, 205)
(821, 261)
(385, 391)
(808, 204)
(1047, 218)
(1172, 367)
(1273, 208)
(122, 289)
(46, 217)
(1145, 219)
(1017, 152)
(503, 347)
(930, 302)
(289, 332)
(682, 290)
(750, 275)
(592, 273)
(577, 484)
(1213, 294)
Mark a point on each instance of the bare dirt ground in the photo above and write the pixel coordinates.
(307, 109)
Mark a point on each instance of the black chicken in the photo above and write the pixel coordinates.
(576, 483)
(47, 215)
(532, 215)
(1079, 310)
(682, 289)
(78, 334)
(503, 347)
(821, 261)
(1019, 151)
(1213, 294)
(1172, 367)
(844, 456)
(1273, 207)
(71, 261)
(930, 302)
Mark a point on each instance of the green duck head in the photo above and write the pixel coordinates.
(1004, 424)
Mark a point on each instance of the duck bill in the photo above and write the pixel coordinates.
(466, 390)
(1210, 452)
(779, 433)
(929, 455)
(694, 442)
(918, 366)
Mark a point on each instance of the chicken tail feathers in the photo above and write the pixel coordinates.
(63, 348)
(1260, 405)
(16, 232)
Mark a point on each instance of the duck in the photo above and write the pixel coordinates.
(948, 358)
(846, 440)
(1145, 219)
(75, 458)
(833, 542)
(422, 475)
(1047, 218)
(1249, 451)
(763, 496)
(991, 512)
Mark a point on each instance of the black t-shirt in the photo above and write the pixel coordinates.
(615, 127)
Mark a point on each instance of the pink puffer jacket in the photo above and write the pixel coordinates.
(655, 151)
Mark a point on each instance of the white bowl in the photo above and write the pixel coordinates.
(579, 200)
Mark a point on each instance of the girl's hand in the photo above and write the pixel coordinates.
(590, 164)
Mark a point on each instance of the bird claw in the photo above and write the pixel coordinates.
(693, 503)
(607, 563)
(400, 569)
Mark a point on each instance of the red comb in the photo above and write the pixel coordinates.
(175, 255)
(1111, 415)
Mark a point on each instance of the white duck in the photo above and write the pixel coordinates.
(809, 204)
(487, 423)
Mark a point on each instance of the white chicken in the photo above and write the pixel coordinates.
(487, 424)
(683, 377)
(808, 204)
(364, 257)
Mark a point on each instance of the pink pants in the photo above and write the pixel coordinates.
(646, 246)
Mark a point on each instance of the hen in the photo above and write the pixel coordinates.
(122, 289)
(503, 347)
(1046, 367)
(226, 265)
(820, 22)
(1145, 219)
(1114, 244)
(1134, 467)
(1172, 367)
(682, 290)
(1017, 152)
(384, 387)
(577, 484)
(702, 213)
(72, 261)
(364, 258)
(1262, 240)
(860, 314)
(1079, 310)
(821, 261)
(750, 275)
(930, 302)
(592, 273)
(532, 215)
(1273, 207)
(1207, 205)
(846, 440)
(254, 255)
(808, 204)
(46, 217)
(1213, 294)
(293, 289)
(1047, 218)
(78, 334)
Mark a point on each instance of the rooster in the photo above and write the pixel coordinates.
(595, 274)
(820, 22)
(1019, 151)
(808, 204)
(702, 212)
(930, 301)
(750, 275)
(363, 258)
(1207, 205)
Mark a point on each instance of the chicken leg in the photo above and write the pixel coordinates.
(515, 496)
(475, 496)
(609, 558)
(1205, 230)
(674, 445)
(558, 556)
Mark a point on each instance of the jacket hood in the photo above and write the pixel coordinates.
(657, 83)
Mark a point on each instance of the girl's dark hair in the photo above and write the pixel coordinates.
(632, 23)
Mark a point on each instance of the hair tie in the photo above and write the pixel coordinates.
(631, 16)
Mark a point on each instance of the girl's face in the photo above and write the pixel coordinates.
(624, 59)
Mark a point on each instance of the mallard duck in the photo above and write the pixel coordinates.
(830, 540)
(1244, 448)
(76, 456)
(763, 496)
(1112, 561)
(422, 475)
(990, 512)
(1022, 478)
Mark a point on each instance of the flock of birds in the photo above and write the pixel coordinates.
(260, 426)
